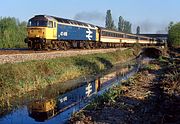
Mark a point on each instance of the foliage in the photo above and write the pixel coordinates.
(109, 21)
(171, 83)
(121, 24)
(108, 97)
(137, 49)
(162, 59)
(12, 33)
(174, 35)
(149, 67)
(127, 27)
(170, 25)
(138, 30)
(124, 25)
(27, 76)
(111, 95)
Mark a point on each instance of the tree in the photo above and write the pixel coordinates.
(12, 33)
(174, 35)
(121, 24)
(170, 25)
(138, 30)
(109, 20)
(129, 27)
(125, 26)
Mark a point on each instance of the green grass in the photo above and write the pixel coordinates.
(19, 78)
(111, 96)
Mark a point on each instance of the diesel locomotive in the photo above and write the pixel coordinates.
(45, 109)
(49, 32)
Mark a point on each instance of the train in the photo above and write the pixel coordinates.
(45, 109)
(50, 32)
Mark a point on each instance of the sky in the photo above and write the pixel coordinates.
(153, 16)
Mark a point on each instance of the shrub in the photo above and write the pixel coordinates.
(174, 35)
(12, 33)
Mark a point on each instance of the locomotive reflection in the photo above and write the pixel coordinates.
(42, 110)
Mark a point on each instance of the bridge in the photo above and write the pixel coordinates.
(162, 37)
(153, 52)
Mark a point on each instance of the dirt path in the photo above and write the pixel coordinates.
(144, 101)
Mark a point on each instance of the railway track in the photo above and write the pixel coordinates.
(14, 56)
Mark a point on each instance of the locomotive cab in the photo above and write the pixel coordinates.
(42, 110)
(41, 29)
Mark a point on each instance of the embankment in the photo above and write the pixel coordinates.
(19, 78)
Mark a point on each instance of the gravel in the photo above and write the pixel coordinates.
(13, 58)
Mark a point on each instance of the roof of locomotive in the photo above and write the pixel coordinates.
(63, 20)
(69, 21)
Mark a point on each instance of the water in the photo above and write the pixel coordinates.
(59, 108)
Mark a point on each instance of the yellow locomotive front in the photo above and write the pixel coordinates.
(41, 29)
(42, 110)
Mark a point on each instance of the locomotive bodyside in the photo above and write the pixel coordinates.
(75, 32)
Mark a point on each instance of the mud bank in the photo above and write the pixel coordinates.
(151, 96)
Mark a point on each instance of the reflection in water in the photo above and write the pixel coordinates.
(45, 109)
(59, 109)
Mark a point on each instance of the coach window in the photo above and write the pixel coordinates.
(110, 34)
(103, 33)
(50, 24)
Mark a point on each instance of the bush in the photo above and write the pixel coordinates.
(174, 35)
(12, 33)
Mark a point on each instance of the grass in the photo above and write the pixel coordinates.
(171, 79)
(110, 97)
(167, 78)
(19, 78)
(150, 67)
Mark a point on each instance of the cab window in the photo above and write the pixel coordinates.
(54, 24)
(50, 24)
(37, 23)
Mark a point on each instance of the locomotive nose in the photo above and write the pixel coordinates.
(36, 32)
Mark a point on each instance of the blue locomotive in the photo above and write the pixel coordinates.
(48, 32)
(42, 110)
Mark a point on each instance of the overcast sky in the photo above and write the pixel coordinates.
(152, 15)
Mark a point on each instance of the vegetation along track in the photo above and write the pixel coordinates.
(42, 55)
